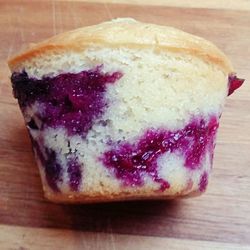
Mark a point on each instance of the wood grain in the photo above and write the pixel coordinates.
(220, 219)
(212, 4)
(67, 239)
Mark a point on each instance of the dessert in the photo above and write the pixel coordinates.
(122, 110)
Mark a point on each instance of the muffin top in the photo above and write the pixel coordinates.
(126, 32)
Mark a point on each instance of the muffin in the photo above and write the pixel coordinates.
(122, 110)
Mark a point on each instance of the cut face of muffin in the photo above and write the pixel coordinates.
(113, 115)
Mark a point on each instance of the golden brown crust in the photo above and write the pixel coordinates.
(127, 33)
(84, 199)
(123, 196)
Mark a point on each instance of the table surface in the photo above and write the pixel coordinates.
(220, 219)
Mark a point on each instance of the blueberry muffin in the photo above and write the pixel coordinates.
(122, 110)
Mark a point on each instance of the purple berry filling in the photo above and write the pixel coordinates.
(70, 100)
(132, 162)
(75, 174)
(234, 83)
(73, 101)
(52, 168)
(203, 182)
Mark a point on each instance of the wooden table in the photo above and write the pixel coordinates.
(220, 219)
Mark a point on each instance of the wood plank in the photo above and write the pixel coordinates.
(212, 4)
(221, 215)
(30, 238)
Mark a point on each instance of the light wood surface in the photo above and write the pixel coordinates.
(211, 4)
(68, 239)
(220, 219)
